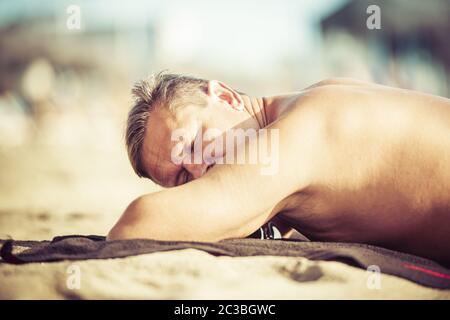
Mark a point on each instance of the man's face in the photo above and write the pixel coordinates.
(218, 116)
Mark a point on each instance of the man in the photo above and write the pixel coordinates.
(357, 162)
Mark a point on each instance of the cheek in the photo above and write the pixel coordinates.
(210, 134)
(214, 128)
(218, 126)
(213, 144)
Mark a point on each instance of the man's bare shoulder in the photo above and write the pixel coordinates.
(319, 94)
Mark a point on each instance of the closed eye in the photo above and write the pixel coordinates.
(187, 177)
(183, 177)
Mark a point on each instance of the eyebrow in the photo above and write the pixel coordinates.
(159, 176)
(173, 176)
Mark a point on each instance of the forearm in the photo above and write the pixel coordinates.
(152, 217)
(181, 214)
(208, 209)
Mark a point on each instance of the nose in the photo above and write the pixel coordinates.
(196, 170)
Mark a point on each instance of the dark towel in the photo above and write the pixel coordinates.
(419, 270)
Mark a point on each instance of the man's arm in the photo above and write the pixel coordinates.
(230, 201)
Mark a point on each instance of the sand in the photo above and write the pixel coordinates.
(193, 274)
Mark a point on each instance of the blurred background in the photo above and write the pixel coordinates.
(65, 92)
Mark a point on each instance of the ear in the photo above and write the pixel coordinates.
(219, 90)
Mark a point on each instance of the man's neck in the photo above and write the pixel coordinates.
(259, 109)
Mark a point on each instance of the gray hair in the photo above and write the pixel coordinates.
(163, 90)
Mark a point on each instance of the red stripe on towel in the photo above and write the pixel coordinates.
(425, 270)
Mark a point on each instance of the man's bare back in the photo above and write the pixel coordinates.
(357, 163)
(383, 173)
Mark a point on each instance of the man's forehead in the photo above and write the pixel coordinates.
(157, 147)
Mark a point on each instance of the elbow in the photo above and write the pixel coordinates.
(127, 226)
(146, 218)
(119, 232)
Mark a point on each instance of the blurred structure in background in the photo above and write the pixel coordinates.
(65, 93)
(411, 50)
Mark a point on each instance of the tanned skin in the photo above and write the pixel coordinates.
(358, 162)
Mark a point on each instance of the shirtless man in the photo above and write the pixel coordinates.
(358, 162)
